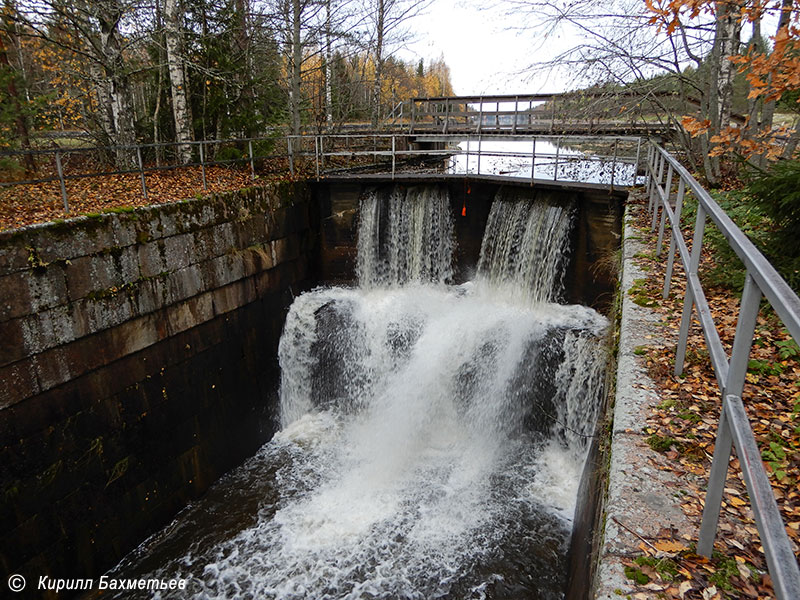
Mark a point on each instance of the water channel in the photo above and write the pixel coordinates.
(432, 435)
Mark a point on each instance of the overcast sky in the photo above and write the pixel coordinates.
(488, 50)
(485, 54)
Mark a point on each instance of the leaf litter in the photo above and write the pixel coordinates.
(683, 428)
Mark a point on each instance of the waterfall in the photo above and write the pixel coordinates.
(525, 245)
(405, 235)
(433, 435)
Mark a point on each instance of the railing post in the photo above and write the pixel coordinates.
(480, 125)
(614, 164)
(742, 343)
(657, 180)
(743, 339)
(716, 483)
(479, 155)
(657, 196)
(533, 161)
(141, 171)
(203, 165)
(60, 170)
(673, 238)
(393, 155)
(446, 115)
(553, 114)
(290, 151)
(466, 167)
(636, 166)
(555, 170)
(516, 110)
(667, 190)
(688, 302)
(413, 115)
(252, 165)
(316, 154)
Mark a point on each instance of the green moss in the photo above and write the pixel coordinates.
(667, 404)
(662, 443)
(726, 569)
(117, 210)
(636, 575)
(666, 569)
(640, 295)
(640, 350)
(688, 415)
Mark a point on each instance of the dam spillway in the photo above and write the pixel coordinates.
(432, 435)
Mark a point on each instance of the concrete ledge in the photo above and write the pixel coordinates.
(642, 500)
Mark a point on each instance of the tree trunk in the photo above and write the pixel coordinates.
(104, 109)
(118, 87)
(729, 27)
(328, 73)
(295, 64)
(20, 121)
(380, 18)
(768, 111)
(244, 74)
(177, 78)
(720, 81)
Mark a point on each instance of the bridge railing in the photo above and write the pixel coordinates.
(543, 113)
(607, 160)
(668, 184)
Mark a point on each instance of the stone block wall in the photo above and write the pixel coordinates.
(138, 363)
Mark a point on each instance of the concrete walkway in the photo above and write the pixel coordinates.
(642, 500)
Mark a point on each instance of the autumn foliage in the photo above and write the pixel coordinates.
(772, 73)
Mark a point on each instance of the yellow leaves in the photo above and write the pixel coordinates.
(669, 547)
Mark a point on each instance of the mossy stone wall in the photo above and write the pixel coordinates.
(138, 361)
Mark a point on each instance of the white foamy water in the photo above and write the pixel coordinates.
(405, 235)
(432, 442)
(414, 485)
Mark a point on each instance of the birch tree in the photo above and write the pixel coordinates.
(109, 14)
(177, 77)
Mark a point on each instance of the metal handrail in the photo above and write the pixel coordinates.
(138, 165)
(384, 146)
(734, 430)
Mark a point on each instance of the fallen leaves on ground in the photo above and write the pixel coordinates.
(684, 427)
(22, 205)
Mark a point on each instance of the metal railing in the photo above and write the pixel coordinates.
(135, 164)
(609, 160)
(583, 113)
(761, 280)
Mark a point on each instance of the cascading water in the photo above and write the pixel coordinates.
(525, 246)
(433, 435)
(405, 235)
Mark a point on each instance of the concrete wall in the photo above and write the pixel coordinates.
(138, 363)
